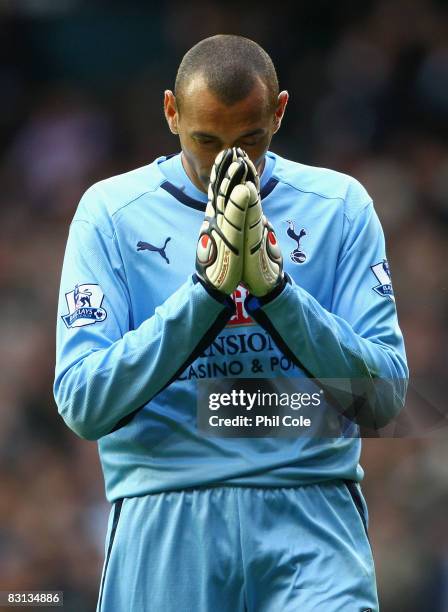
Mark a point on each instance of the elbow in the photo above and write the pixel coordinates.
(79, 426)
(388, 406)
(74, 410)
(376, 401)
(390, 398)
(395, 389)
(391, 388)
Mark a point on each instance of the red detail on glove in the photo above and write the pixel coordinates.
(272, 239)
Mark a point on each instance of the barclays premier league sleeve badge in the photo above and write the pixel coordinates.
(84, 306)
(382, 272)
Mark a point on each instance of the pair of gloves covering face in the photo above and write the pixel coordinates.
(237, 244)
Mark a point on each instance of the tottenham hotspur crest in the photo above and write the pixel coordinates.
(297, 255)
(84, 306)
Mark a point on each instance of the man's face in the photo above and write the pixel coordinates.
(206, 126)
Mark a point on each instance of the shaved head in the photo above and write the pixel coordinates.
(231, 66)
(226, 95)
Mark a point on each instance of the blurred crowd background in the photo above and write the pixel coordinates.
(81, 87)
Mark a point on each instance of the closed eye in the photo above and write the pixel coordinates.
(251, 140)
(204, 140)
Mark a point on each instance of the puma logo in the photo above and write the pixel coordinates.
(145, 246)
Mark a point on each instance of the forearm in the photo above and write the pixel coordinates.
(103, 386)
(326, 346)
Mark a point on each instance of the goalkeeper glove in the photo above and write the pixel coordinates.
(263, 261)
(220, 249)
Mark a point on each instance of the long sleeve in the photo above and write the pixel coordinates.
(360, 337)
(105, 370)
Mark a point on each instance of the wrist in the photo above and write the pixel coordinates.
(253, 302)
(215, 293)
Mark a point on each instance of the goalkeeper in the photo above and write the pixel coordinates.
(166, 254)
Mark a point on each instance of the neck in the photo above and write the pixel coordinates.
(191, 173)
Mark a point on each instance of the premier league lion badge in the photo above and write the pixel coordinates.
(382, 273)
(84, 306)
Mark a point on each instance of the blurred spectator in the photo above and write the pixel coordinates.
(64, 141)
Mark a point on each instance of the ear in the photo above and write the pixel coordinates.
(283, 98)
(170, 108)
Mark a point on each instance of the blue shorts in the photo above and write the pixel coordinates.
(240, 549)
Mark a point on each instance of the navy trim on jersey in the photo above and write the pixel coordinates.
(210, 335)
(262, 319)
(117, 511)
(270, 186)
(182, 197)
(206, 340)
(253, 307)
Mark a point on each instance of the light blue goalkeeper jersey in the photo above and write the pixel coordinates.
(136, 332)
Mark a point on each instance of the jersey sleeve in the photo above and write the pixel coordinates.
(359, 337)
(106, 371)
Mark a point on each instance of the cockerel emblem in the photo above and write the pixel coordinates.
(296, 255)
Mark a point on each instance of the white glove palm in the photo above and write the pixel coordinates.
(263, 261)
(220, 249)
